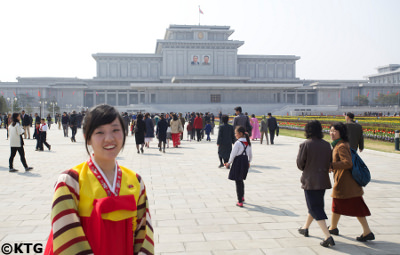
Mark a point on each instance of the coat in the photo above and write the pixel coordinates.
(140, 130)
(161, 130)
(264, 127)
(226, 137)
(272, 124)
(15, 133)
(355, 134)
(176, 126)
(149, 127)
(345, 186)
(198, 123)
(314, 159)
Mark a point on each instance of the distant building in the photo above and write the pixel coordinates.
(199, 68)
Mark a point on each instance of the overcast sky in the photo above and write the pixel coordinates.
(336, 39)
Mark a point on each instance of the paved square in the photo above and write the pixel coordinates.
(193, 203)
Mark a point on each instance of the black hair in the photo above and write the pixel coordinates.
(339, 126)
(98, 116)
(350, 115)
(14, 118)
(313, 129)
(253, 116)
(242, 130)
(225, 119)
(238, 108)
(139, 116)
(174, 117)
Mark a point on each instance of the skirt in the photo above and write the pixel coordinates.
(315, 203)
(354, 206)
(176, 139)
(148, 139)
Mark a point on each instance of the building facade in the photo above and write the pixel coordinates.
(197, 68)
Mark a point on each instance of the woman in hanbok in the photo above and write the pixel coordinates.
(255, 131)
(100, 207)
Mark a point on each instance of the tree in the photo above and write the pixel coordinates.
(391, 99)
(3, 105)
(361, 100)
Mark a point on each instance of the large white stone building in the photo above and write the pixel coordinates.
(198, 68)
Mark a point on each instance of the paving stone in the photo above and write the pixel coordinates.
(192, 202)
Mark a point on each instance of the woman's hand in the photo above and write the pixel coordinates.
(227, 165)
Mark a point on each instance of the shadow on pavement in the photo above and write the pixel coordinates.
(385, 182)
(270, 210)
(266, 167)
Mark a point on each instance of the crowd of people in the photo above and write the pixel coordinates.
(104, 127)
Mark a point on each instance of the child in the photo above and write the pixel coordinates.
(43, 135)
(100, 207)
(189, 129)
(208, 128)
(36, 135)
(240, 159)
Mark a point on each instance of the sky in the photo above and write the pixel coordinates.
(336, 39)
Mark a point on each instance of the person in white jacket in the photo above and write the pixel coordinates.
(15, 132)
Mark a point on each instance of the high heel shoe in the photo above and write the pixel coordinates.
(303, 231)
(328, 242)
(368, 237)
(334, 231)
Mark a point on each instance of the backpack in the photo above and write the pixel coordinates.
(360, 171)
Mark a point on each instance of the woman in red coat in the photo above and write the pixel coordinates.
(198, 125)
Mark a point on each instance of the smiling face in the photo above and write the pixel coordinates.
(107, 141)
(238, 134)
(335, 134)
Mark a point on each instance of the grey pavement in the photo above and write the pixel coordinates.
(193, 203)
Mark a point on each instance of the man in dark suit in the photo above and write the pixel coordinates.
(242, 120)
(272, 126)
(354, 132)
(26, 124)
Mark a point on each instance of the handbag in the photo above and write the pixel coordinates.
(360, 171)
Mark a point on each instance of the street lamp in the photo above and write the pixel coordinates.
(11, 102)
(68, 106)
(53, 104)
(42, 102)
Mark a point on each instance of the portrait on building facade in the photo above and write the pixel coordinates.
(206, 60)
(195, 60)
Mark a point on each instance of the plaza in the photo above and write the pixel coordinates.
(192, 202)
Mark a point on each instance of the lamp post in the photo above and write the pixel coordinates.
(42, 102)
(11, 102)
(53, 104)
(68, 106)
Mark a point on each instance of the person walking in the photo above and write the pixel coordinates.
(226, 137)
(183, 121)
(149, 130)
(176, 130)
(140, 131)
(43, 135)
(240, 158)
(272, 127)
(198, 125)
(73, 123)
(100, 207)
(36, 135)
(15, 132)
(347, 193)
(314, 158)
(161, 132)
(354, 133)
(65, 123)
(49, 120)
(264, 130)
(242, 120)
(7, 122)
(26, 124)
(255, 134)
